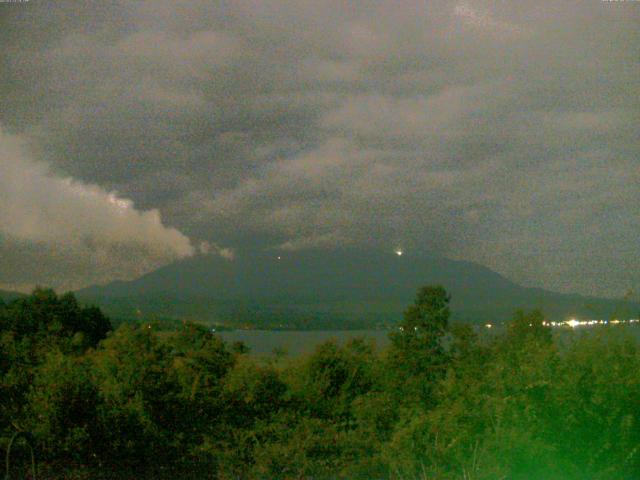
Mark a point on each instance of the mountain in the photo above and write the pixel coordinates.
(7, 296)
(320, 289)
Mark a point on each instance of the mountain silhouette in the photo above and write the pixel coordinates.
(7, 296)
(346, 288)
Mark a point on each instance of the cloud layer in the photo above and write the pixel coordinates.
(499, 132)
(56, 230)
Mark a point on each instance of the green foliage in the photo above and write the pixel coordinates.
(528, 328)
(252, 392)
(442, 402)
(417, 353)
(31, 328)
(62, 406)
(44, 316)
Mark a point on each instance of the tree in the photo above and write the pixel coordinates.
(45, 316)
(527, 327)
(417, 352)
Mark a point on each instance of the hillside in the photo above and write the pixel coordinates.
(7, 296)
(317, 289)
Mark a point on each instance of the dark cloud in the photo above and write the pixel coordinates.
(493, 131)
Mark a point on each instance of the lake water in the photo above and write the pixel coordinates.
(263, 342)
(296, 342)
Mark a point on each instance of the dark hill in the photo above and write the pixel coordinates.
(318, 289)
(7, 296)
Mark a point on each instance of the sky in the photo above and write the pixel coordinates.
(137, 133)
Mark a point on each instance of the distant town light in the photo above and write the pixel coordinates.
(399, 252)
(573, 322)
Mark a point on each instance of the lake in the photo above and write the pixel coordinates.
(296, 342)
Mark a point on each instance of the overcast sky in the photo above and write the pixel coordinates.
(136, 133)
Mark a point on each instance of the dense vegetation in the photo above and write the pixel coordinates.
(439, 403)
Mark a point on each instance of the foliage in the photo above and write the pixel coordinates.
(417, 354)
(442, 402)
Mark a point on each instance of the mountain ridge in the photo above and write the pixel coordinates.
(347, 284)
(7, 295)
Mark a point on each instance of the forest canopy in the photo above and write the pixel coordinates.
(440, 402)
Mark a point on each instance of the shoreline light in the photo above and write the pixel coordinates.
(575, 323)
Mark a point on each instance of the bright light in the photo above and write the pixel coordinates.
(399, 252)
(488, 325)
(573, 323)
